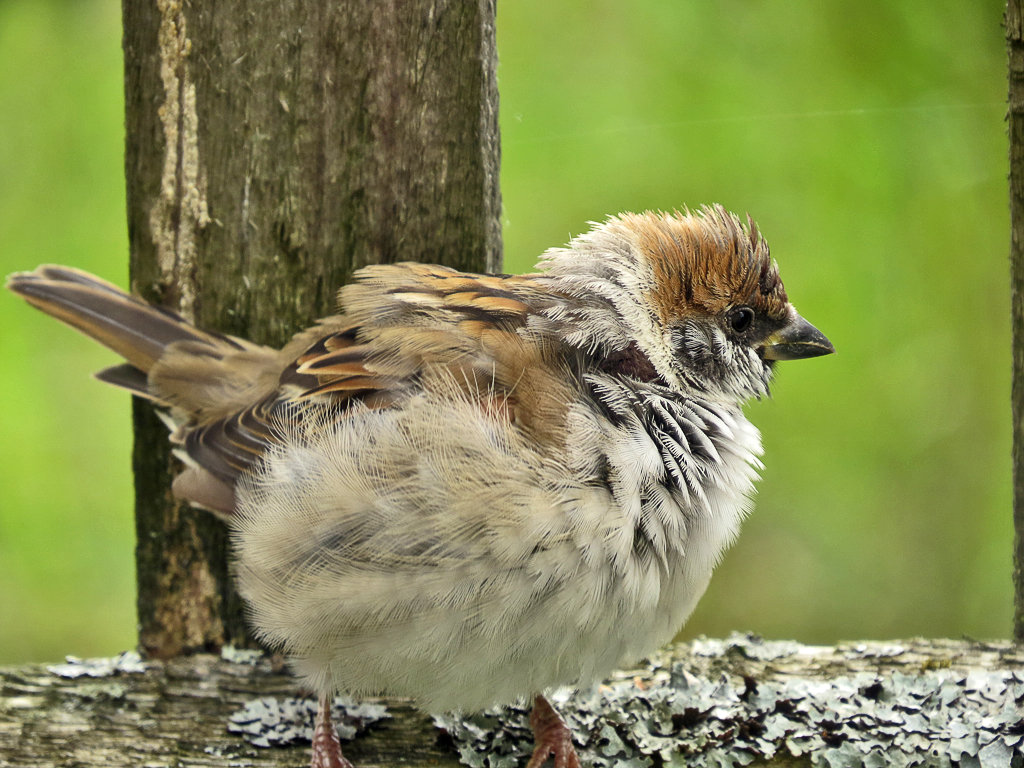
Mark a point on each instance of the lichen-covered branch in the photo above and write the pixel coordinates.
(710, 702)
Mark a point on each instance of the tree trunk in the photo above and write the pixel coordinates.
(272, 149)
(1015, 47)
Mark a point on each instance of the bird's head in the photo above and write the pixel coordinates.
(692, 301)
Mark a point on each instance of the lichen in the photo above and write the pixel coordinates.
(274, 722)
(128, 662)
(248, 657)
(937, 717)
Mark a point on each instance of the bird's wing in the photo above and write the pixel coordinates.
(406, 328)
(402, 321)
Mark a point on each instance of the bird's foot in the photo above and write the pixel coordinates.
(326, 744)
(552, 736)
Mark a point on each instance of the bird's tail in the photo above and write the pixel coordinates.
(137, 331)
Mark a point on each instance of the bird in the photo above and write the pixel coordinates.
(468, 489)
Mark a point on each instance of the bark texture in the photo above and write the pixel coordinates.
(176, 712)
(272, 149)
(1015, 48)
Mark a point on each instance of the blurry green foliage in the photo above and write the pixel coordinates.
(867, 140)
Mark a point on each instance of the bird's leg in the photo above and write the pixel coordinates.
(326, 745)
(552, 737)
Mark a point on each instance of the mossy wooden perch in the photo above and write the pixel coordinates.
(921, 702)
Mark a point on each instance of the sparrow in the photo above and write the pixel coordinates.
(466, 488)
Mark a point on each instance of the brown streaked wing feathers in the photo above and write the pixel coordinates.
(379, 351)
(227, 447)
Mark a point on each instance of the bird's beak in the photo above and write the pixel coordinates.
(795, 341)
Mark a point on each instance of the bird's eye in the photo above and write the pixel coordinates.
(740, 318)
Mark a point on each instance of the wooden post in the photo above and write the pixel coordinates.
(1015, 48)
(272, 149)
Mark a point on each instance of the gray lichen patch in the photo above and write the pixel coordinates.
(668, 715)
(278, 722)
(128, 662)
(249, 657)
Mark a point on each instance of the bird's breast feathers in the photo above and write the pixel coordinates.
(437, 531)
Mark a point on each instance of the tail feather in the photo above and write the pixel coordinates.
(128, 377)
(208, 381)
(133, 329)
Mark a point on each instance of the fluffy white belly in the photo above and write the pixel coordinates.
(454, 565)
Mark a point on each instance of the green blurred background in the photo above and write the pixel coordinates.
(867, 139)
